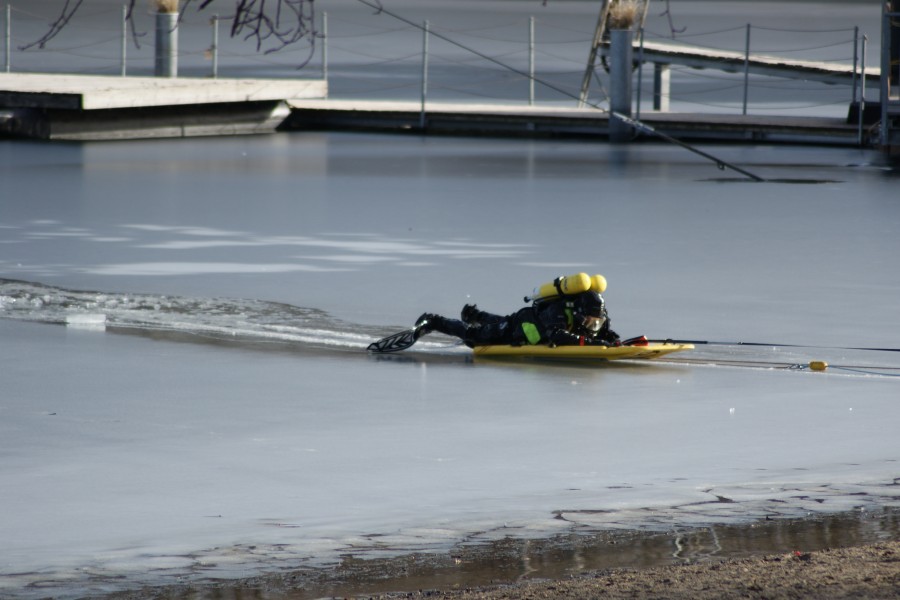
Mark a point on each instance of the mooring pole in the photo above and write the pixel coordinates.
(166, 44)
(620, 88)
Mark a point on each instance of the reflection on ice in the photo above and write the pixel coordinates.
(194, 268)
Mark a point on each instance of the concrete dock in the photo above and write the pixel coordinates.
(536, 121)
(74, 107)
(84, 107)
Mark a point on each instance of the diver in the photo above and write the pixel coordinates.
(579, 319)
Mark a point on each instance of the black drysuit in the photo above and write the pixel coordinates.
(550, 322)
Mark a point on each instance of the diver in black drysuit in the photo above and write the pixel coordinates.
(563, 321)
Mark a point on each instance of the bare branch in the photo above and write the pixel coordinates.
(272, 23)
(668, 14)
(69, 9)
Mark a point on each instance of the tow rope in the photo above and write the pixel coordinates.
(636, 123)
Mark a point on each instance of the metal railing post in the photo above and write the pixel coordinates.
(8, 35)
(325, 48)
(746, 68)
(886, 72)
(640, 75)
(862, 91)
(424, 73)
(215, 46)
(854, 81)
(531, 61)
(124, 39)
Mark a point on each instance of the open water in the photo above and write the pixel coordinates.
(187, 397)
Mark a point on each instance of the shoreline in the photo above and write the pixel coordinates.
(868, 571)
(854, 554)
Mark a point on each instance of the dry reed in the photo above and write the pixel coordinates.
(166, 6)
(623, 14)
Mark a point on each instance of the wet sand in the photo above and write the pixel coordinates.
(870, 571)
(850, 555)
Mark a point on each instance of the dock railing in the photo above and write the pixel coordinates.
(370, 56)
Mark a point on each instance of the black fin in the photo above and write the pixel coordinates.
(395, 343)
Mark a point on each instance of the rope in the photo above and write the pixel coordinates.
(862, 370)
(639, 125)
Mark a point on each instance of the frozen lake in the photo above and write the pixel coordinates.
(187, 397)
(174, 452)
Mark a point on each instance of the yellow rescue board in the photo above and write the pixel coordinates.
(582, 352)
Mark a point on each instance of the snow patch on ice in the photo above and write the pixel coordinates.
(88, 321)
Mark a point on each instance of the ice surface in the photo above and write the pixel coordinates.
(242, 429)
(228, 421)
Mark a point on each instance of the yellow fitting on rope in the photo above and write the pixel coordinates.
(818, 365)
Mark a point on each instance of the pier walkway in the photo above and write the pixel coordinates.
(538, 121)
(70, 107)
(757, 64)
(86, 107)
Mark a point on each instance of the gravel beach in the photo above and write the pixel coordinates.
(869, 571)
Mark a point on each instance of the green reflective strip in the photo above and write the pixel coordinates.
(531, 333)
(570, 318)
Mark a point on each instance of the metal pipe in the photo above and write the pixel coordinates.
(325, 49)
(640, 75)
(424, 73)
(215, 46)
(8, 35)
(855, 62)
(620, 68)
(166, 44)
(531, 61)
(124, 39)
(862, 92)
(746, 68)
(886, 72)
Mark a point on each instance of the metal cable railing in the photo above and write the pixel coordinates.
(367, 53)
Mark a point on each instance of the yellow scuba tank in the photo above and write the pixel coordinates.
(568, 285)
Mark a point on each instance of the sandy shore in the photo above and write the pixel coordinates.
(869, 571)
(846, 555)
